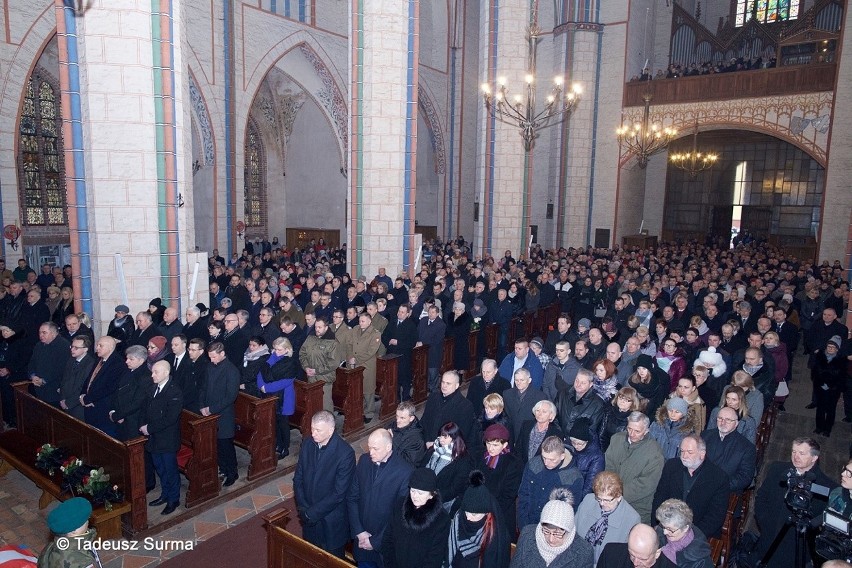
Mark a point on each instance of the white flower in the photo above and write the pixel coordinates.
(93, 473)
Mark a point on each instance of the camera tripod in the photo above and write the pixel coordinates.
(801, 522)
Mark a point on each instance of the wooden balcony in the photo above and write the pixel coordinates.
(736, 85)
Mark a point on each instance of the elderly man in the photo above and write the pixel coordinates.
(160, 420)
(580, 401)
(703, 485)
(218, 397)
(235, 339)
(380, 482)
(522, 358)
(131, 394)
(196, 326)
(145, 330)
(77, 370)
(448, 404)
(770, 509)
(485, 383)
(47, 365)
(365, 345)
(96, 394)
(638, 461)
(74, 328)
(730, 450)
(320, 356)
(321, 484)
(171, 324)
(561, 370)
(642, 550)
(520, 400)
(267, 328)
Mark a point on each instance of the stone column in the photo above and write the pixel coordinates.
(123, 91)
(384, 42)
(504, 169)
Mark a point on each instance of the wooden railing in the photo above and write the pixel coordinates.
(738, 85)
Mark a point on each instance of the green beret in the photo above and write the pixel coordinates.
(69, 516)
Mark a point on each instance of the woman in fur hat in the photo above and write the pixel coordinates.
(674, 420)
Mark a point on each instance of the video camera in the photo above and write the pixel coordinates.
(834, 542)
(800, 492)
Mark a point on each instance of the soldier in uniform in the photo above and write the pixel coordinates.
(70, 521)
(365, 346)
(320, 356)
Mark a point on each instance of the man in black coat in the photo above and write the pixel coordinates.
(730, 450)
(407, 433)
(47, 364)
(400, 337)
(34, 312)
(96, 395)
(770, 510)
(161, 423)
(580, 401)
(145, 330)
(448, 405)
(485, 383)
(218, 397)
(267, 328)
(133, 389)
(171, 324)
(642, 544)
(75, 328)
(703, 485)
(235, 339)
(195, 377)
(518, 401)
(380, 484)
(431, 331)
(321, 483)
(77, 370)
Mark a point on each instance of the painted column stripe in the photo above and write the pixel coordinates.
(162, 45)
(487, 213)
(410, 176)
(593, 156)
(356, 172)
(75, 170)
(230, 127)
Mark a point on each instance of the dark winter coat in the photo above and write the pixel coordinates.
(417, 536)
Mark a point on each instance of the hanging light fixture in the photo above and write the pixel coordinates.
(646, 138)
(693, 162)
(518, 110)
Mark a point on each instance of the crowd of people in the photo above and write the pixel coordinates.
(677, 69)
(617, 438)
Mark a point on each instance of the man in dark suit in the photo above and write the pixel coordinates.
(788, 333)
(180, 363)
(145, 330)
(47, 364)
(380, 483)
(730, 450)
(171, 324)
(448, 405)
(235, 339)
(77, 370)
(196, 325)
(218, 397)
(161, 423)
(400, 337)
(519, 401)
(75, 328)
(96, 395)
(485, 383)
(267, 328)
(323, 476)
(431, 331)
(133, 389)
(700, 483)
(195, 379)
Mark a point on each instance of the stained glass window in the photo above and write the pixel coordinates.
(766, 11)
(42, 179)
(255, 180)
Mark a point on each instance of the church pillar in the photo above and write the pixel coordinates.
(505, 169)
(125, 154)
(384, 45)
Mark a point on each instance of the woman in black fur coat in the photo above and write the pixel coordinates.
(418, 533)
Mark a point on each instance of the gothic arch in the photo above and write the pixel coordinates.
(202, 120)
(436, 134)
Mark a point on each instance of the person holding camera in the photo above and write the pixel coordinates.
(833, 542)
(786, 492)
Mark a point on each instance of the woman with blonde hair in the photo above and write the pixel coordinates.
(753, 396)
(277, 375)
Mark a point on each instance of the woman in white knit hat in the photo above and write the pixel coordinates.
(553, 541)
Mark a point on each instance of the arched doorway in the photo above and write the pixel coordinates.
(760, 184)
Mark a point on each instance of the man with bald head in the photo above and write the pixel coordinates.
(642, 550)
(160, 419)
(171, 324)
(97, 393)
(381, 480)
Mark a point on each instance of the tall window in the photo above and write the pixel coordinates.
(766, 11)
(255, 181)
(41, 175)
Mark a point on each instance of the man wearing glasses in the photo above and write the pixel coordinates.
(730, 450)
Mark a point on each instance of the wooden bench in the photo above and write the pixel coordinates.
(348, 396)
(473, 350)
(529, 325)
(721, 547)
(255, 432)
(308, 403)
(420, 373)
(516, 330)
(492, 330)
(387, 384)
(40, 423)
(198, 457)
(448, 356)
(286, 550)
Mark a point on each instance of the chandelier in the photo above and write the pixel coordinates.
(519, 110)
(646, 138)
(693, 162)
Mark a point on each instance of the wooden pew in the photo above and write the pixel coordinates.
(448, 356)
(286, 550)
(40, 423)
(387, 384)
(491, 332)
(198, 459)
(348, 396)
(420, 373)
(516, 330)
(473, 348)
(255, 422)
(308, 403)
(542, 323)
(721, 548)
(529, 325)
